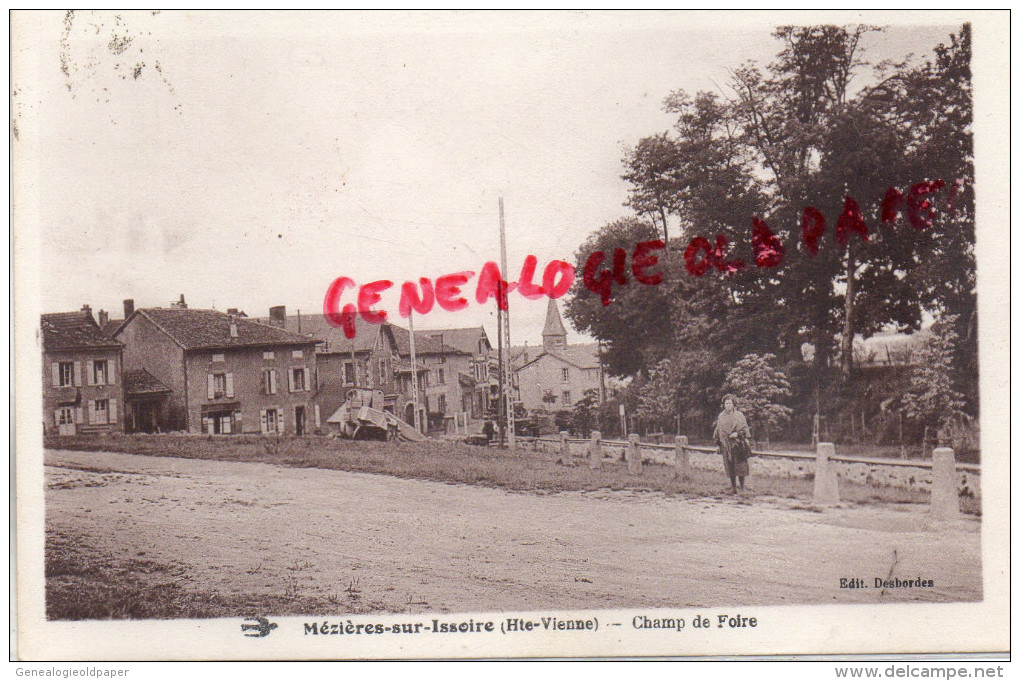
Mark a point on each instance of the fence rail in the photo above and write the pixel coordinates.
(806, 456)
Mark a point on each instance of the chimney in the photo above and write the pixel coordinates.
(232, 311)
(86, 309)
(104, 317)
(233, 326)
(129, 307)
(180, 304)
(278, 316)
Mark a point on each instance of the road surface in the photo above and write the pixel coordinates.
(416, 546)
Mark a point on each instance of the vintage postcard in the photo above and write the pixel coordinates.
(347, 335)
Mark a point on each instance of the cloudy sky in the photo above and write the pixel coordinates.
(246, 160)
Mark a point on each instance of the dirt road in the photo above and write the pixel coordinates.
(412, 546)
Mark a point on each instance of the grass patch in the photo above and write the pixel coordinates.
(84, 584)
(454, 462)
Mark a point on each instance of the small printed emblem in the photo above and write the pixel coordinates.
(259, 630)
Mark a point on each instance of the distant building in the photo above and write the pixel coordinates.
(82, 370)
(206, 371)
(462, 378)
(370, 360)
(556, 375)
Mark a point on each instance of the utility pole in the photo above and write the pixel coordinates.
(507, 368)
(414, 374)
(500, 408)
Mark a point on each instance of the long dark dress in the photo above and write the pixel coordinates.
(731, 423)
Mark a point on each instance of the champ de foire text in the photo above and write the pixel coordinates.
(700, 256)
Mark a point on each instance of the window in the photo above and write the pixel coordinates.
(218, 357)
(297, 354)
(100, 372)
(442, 359)
(441, 403)
(566, 398)
(100, 411)
(565, 374)
(269, 355)
(221, 385)
(65, 416)
(442, 376)
(271, 421)
(218, 423)
(269, 381)
(65, 374)
(297, 380)
(349, 373)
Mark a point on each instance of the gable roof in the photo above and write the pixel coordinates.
(74, 331)
(462, 341)
(315, 325)
(465, 339)
(111, 327)
(141, 382)
(582, 356)
(210, 329)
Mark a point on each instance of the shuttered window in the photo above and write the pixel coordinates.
(63, 374)
(298, 380)
(269, 381)
(220, 385)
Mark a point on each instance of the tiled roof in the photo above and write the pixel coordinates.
(463, 339)
(111, 327)
(193, 329)
(140, 382)
(315, 325)
(74, 331)
(582, 356)
(426, 342)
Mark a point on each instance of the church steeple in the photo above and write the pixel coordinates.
(554, 335)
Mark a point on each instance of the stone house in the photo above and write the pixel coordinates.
(82, 376)
(461, 380)
(370, 360)
(210, 372)
(558, 374)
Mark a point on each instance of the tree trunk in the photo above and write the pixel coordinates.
(665, 227)
(848, 314)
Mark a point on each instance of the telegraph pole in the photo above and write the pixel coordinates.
(507, 367)
(414, 374)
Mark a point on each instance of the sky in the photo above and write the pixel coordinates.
(248, 159)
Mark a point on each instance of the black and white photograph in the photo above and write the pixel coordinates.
(463, 334)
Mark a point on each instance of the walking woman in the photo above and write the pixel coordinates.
(732, 435)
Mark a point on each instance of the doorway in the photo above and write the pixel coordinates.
(299, 420)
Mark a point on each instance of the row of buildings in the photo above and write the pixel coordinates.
(162, 369)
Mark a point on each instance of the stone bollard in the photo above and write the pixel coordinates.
(564, 447)
(595, 451)
(633, 455)
(826, 479)
(681, 458)
(945, 500)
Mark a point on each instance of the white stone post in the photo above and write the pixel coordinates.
(564, 447)
(633, 455)
(826, 479)
(945, 500)
(681, 458)
(595, 451)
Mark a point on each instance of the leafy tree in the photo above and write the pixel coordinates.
(586, 413)
(761, 389)
(635, 326)
(657, 396)
(932, 398)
